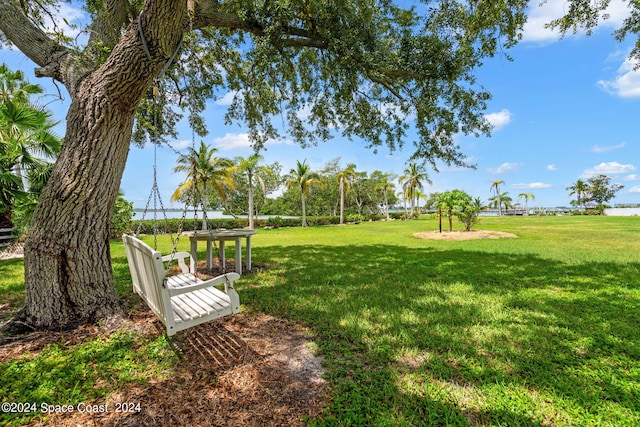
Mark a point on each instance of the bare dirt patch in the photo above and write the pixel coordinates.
(464, 235)
(241, 370)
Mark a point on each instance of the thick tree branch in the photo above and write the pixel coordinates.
(161, 25)
(208, 14)
(27, 37)
(106, 28)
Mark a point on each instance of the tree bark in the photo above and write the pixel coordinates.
(250, 201)
(68, 274)
(304, 211)
(67, 257)
(341, 200)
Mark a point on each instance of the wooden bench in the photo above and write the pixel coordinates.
(6, 237)
(183, 300)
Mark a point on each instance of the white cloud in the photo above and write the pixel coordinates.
(537, 17)
(552, 168)
(499, 120)
(635, 189)
(626, 84)
(532, 186)
(505, 167)
(632, 177)
(233, 141)
(618, 11)
(240, 141)
(608, 168)
(179, 145)
(540, 14)
(597, 149)
(226, 99)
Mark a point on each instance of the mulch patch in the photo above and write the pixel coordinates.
(242, 370)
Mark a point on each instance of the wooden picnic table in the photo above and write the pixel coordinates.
(220, 236)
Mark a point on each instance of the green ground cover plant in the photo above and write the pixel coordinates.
(534, 331)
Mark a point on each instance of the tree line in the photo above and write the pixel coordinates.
(241, 187)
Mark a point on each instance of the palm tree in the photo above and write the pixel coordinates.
(13, 86)
(411, 181)
(506, 201)
(249, 166)
(403, 195)
(496, 187)
(385, 186)
(526, 197)
(580, 189)
(499, 200)
(470, 211)
(420, 196)
(344, 181)
(451, 202)
(203, 169)
(302, 178)
(25, 138)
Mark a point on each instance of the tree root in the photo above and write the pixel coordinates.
(15, 328)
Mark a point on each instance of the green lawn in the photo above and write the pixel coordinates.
(539, 330)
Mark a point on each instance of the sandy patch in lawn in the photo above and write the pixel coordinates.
(464, 235)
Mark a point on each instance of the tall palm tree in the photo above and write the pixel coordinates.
(385, 187)
(495, 186)
(344, 181)
(419, 195)
(204, 170)
(403, 195)
(526, 197)
(412, 180)
(580, 189)
(303, 178)
(249, 166)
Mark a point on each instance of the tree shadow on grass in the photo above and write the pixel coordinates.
(461, 337)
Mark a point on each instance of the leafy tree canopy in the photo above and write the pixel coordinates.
(600, 189)
(588, 14)
(367, 68)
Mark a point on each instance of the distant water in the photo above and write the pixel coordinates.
(210, 215)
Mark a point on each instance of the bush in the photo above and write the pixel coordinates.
(322, 220)
(354, 218)
(121, 217)
(170, 226)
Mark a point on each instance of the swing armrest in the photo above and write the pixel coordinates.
(180, 256)
(227, 279)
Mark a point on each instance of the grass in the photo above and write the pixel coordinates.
(539, 330)
(65, 374)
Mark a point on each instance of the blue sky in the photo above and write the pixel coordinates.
(563, 109)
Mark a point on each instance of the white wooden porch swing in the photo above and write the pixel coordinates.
(182, 300)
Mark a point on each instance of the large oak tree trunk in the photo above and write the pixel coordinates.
(68, 274)
(67, 257)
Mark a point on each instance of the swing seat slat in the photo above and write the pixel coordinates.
(179, 301)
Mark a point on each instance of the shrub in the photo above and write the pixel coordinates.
(121, 217)
(354, 218)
